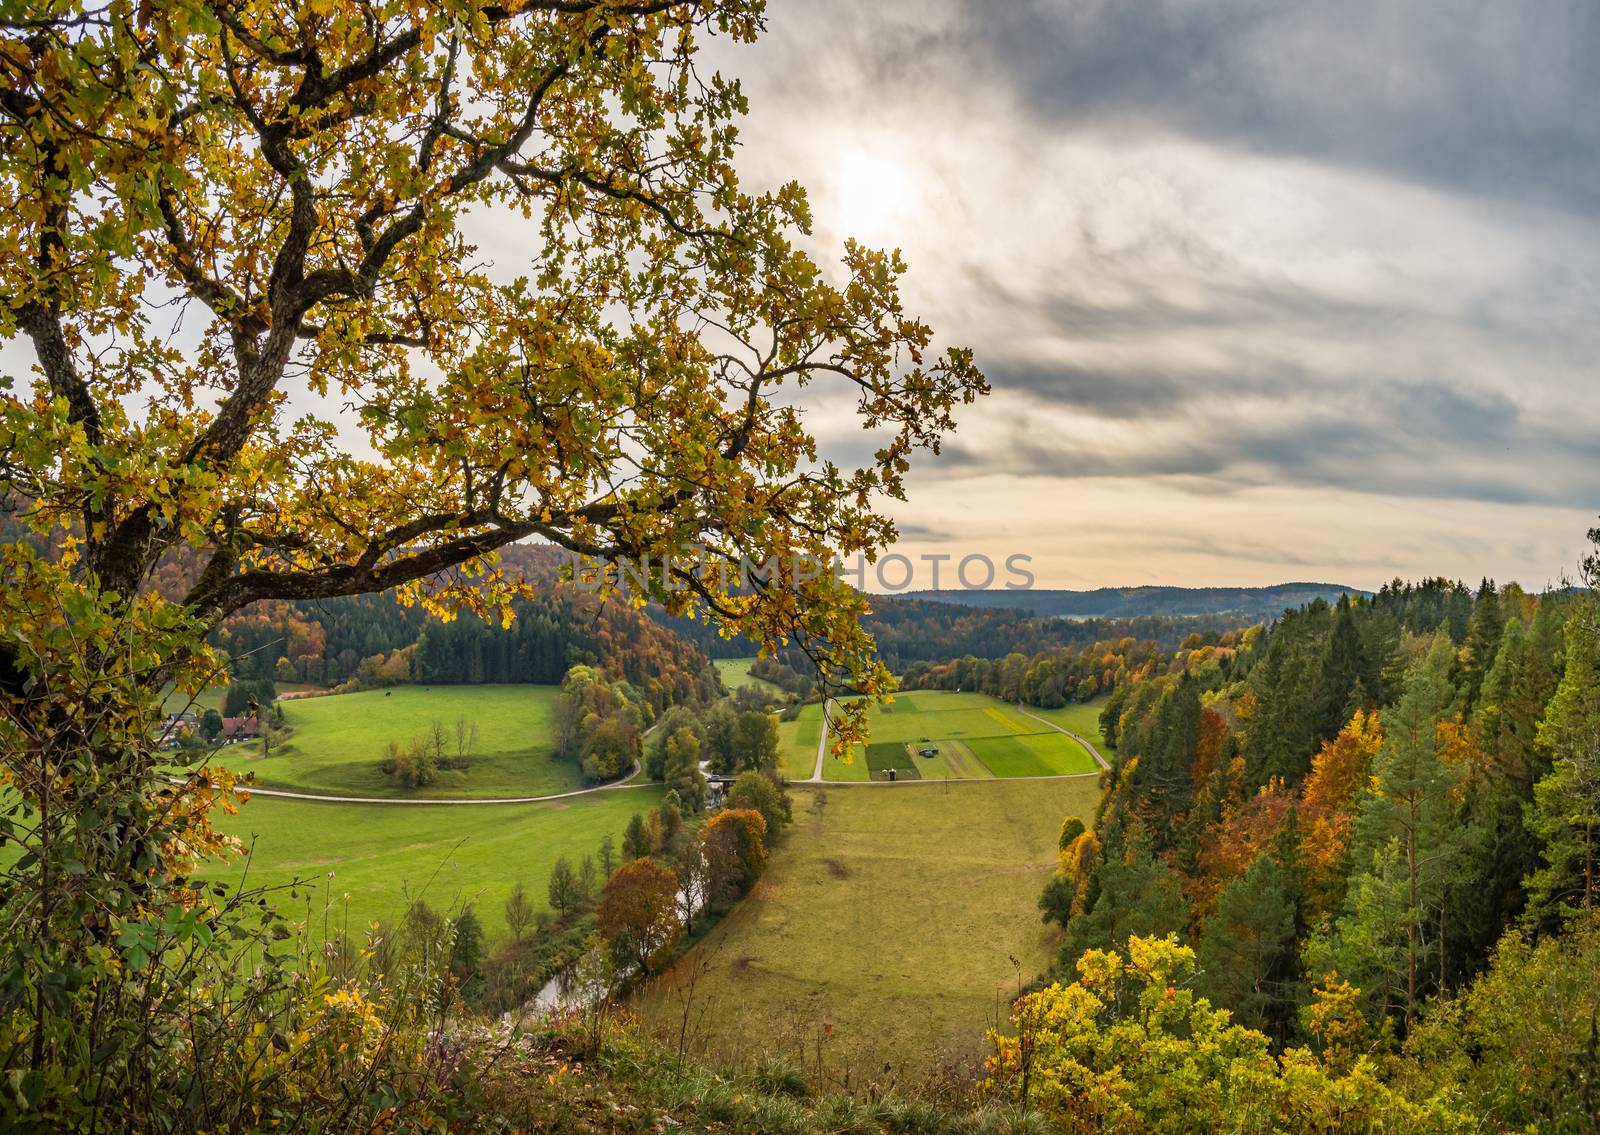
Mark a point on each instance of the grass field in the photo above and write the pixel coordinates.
(797, 743)
(339, 741)
(889, 915)
(975, 735)
(1082, 718)
(735, 672)
(384, 856)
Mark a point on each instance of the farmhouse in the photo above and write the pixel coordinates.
(240, 728)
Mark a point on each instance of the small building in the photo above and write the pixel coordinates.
(240, 728)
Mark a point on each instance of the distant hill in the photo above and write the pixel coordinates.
(1251, 603)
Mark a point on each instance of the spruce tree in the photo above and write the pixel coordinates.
(1482, 642)
(1566, 811)
(1412, 806)
(1247, 954)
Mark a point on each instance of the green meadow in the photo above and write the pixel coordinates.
(1082, 718)
(385, 856)
(973, 736)
(735, 672)
(797, 743)
(337, 743)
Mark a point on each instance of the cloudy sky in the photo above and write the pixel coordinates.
(1268, 290)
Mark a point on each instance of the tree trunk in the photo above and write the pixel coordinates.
(1441, 947)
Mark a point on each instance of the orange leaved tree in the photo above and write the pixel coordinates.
(638, 914)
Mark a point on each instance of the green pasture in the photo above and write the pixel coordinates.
(1037, 754)
(337, 742)
(735, 672)
(976, 737)
(797, 743)
(1082, 718)
(384, 856)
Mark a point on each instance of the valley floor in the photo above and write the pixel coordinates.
(886, 925)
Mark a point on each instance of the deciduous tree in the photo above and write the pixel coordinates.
(519, 911)
(735, 850)
(638, 915)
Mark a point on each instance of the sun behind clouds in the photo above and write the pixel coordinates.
(872, 197)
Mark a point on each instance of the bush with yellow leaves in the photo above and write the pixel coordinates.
(1129, 1048)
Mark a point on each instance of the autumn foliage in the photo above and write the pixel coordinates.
(1339, 773)
(736, 850)
(638, 913)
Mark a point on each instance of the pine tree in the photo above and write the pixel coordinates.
(1247, 954)
(1412, 804)
(1566, 811)
(1165, 772)
(1347, 675)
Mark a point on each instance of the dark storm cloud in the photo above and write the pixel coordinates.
(1425, 441)
(1474, 95)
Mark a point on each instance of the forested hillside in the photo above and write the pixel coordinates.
(1348, 811)
(911, 633)
(1250, 604)
(376, 640)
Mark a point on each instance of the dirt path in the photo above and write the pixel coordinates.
(822, 746)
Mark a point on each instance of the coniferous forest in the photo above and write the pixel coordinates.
(1369, 821)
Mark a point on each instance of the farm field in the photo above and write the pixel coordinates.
(975, 736)
(890, 916)
(385, 856)
(338, 742)
(797, 743)
(1082, 718)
